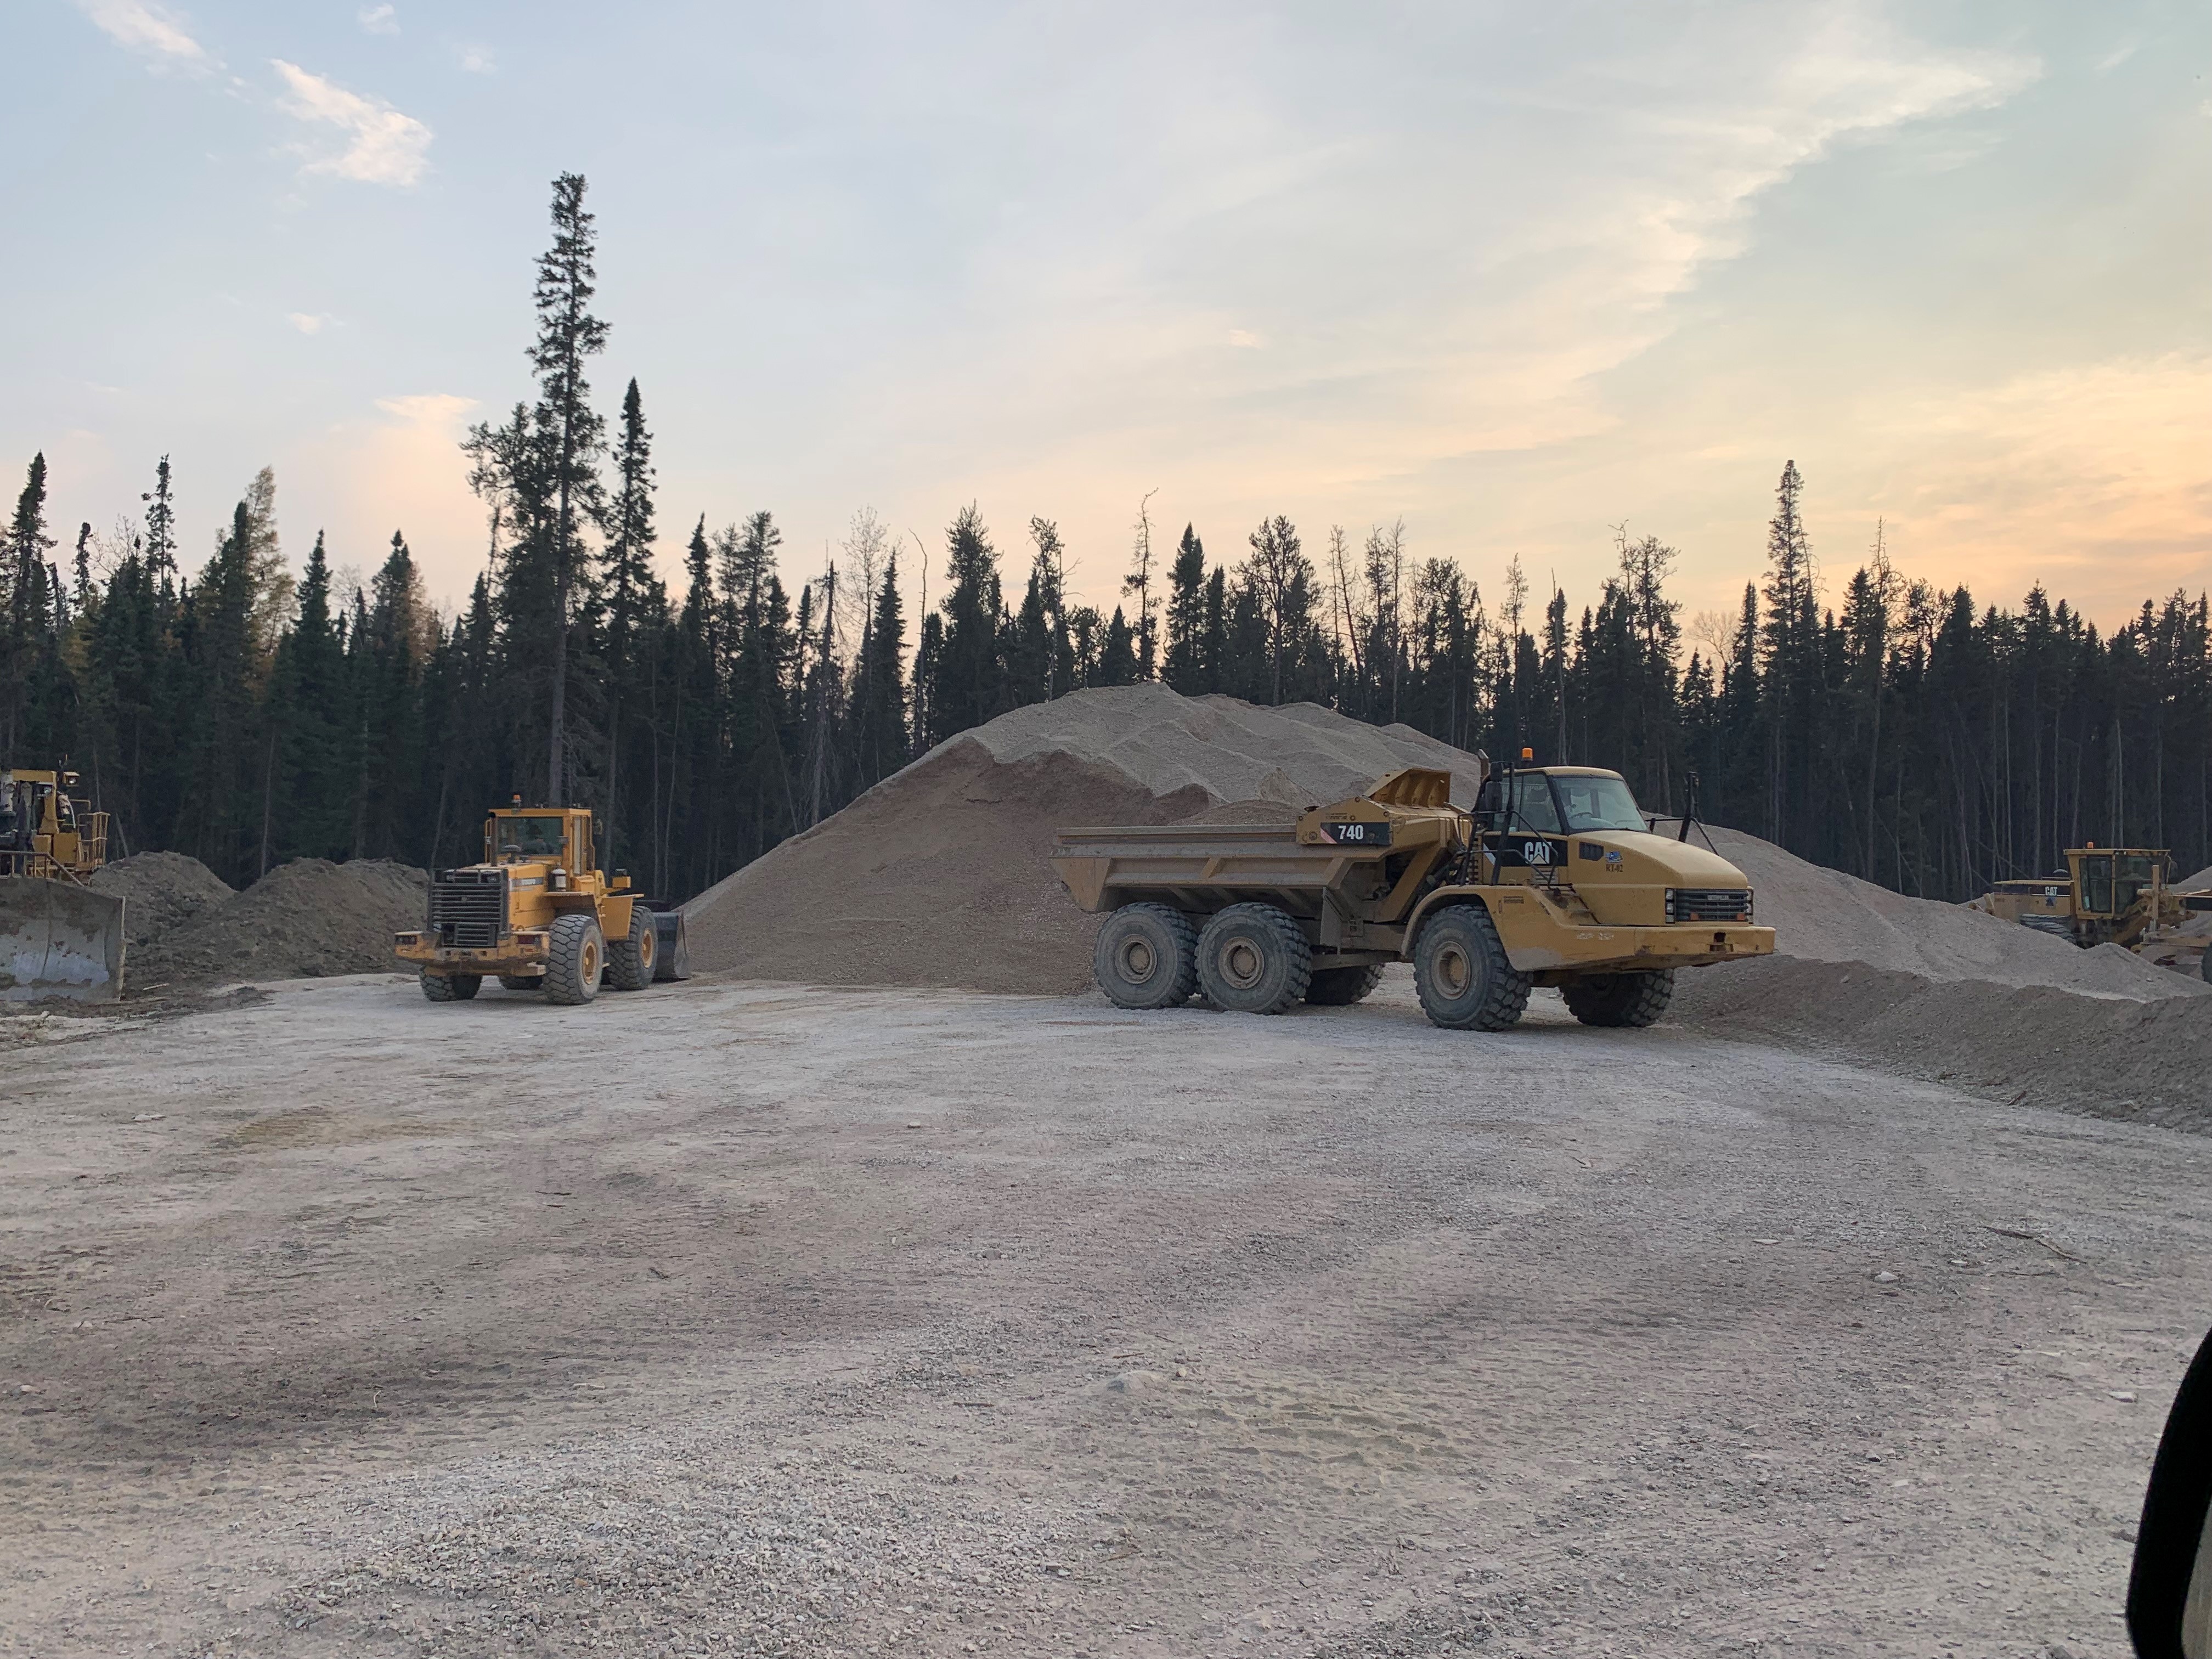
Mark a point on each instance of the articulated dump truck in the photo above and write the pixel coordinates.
(1554, 878)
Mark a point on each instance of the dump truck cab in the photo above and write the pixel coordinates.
(539, 914)
(1554, 878)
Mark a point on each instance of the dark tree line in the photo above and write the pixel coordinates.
(248, 716)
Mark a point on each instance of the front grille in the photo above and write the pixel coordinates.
(1709, 904)
(468, 907)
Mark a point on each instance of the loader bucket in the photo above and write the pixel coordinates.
(674, 961)
(57, 940)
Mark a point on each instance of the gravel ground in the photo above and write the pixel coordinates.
(747, 1319)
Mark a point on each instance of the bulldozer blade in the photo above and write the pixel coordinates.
(57, 940)
(674, 961)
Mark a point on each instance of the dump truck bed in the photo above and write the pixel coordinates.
(1191, 866)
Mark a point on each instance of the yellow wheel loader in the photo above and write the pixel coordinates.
(1555, 878)
(57, 937)
(539, 914)
(2111, 896)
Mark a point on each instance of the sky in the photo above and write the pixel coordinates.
(1517, 274)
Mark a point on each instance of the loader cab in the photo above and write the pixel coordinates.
(540, 835)
(2109, 882)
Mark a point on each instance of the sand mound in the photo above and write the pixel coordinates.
(160, 892)
(2108, 1056)
(938, 876)
(2196, 884)
(1823, 915)
(305, 919)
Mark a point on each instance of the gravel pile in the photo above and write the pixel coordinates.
(160, 891)
(306, 920)
(1824, 916)
(938, 876)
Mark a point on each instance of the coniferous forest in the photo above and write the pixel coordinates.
(247, 715)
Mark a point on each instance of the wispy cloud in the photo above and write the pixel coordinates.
(477, 60)
(144, 26)
(307, 322)
(386, 147)
(380, 20)
(435, 409)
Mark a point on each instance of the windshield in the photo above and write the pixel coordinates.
(1589, 804)
(525, 838)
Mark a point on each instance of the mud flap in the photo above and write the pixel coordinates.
(674, 960)
(59, 941)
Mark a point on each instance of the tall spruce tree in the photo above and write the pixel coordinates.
(1184, 667)
(573, 435)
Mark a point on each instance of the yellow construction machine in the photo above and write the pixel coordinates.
(539, 915)
(1555, 878)
(58, 938)
(2111, 896)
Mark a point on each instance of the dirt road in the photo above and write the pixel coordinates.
(751, 1319)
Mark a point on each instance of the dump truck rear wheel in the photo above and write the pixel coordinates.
(1252, 959)
(1146, 956)
(575, 959)
(1339, 987)
(631, 962)
(450, 987)
(522, 982)
(1462, 975)
(1633, 1000)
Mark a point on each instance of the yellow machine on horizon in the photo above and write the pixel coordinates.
(57, 937)
(2109, 896)
(44, 832)
(539, 914)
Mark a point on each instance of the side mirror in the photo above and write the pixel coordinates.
(2170, 1587)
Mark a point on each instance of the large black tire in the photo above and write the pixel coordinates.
(1146, 956)
(450, 987)
(1633, 1000)
(522, 982)
(675, 961)
(2204, 964)
(1339, 988)
(631, 960)
(1252, 959)
(1461, 975)
(575, 959)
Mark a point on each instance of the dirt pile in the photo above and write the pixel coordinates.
(2145, 1058)
(305, 919)
(938, 876)
(160, 892)
(1824, 916)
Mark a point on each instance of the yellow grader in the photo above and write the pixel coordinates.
(540, 916)
(1555, 878)
(57, 937)
(2111, 896)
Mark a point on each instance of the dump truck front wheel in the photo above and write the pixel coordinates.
(1461, 975)
(1633, 1000)
(1339, 987)
(1146, 956)
(450, 987)
(631, 961)
(1252, 959)
(575, 958)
